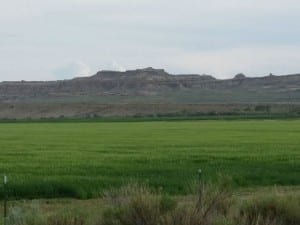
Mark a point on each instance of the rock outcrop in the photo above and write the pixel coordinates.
(148, 85)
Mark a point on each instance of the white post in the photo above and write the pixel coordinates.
(5, 198)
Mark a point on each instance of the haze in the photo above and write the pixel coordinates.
(60, 39)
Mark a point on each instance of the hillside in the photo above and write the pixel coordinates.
(145, 91)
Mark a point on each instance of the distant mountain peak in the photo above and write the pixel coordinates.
(148, 70)
(136, 72)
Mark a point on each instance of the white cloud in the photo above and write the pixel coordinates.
(116, 66)
(72, 69)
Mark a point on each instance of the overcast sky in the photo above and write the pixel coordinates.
(60, 39)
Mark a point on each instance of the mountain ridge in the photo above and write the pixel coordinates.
(156, 85)
(151, 71)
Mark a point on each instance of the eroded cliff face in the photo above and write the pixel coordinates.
(156, 83)
(139, 82)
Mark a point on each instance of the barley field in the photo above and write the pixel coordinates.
(81, 159)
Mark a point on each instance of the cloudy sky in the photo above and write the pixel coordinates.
(60, 39)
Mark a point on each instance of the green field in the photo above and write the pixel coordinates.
(80, 159)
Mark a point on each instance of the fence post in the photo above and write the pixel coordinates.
(200, 197)
(5, 199)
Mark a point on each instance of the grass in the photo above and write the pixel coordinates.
(81, 159)
(209, 204)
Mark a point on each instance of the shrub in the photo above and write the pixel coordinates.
(136, 205)
(21, 216)
(211, 202)
(67, 218)
(273, 210)
(32, 215)
(167, 203)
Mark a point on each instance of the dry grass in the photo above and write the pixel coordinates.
(271, 210)
(138, 205)
(212, 204)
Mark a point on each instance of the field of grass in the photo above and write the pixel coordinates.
(80, 159)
